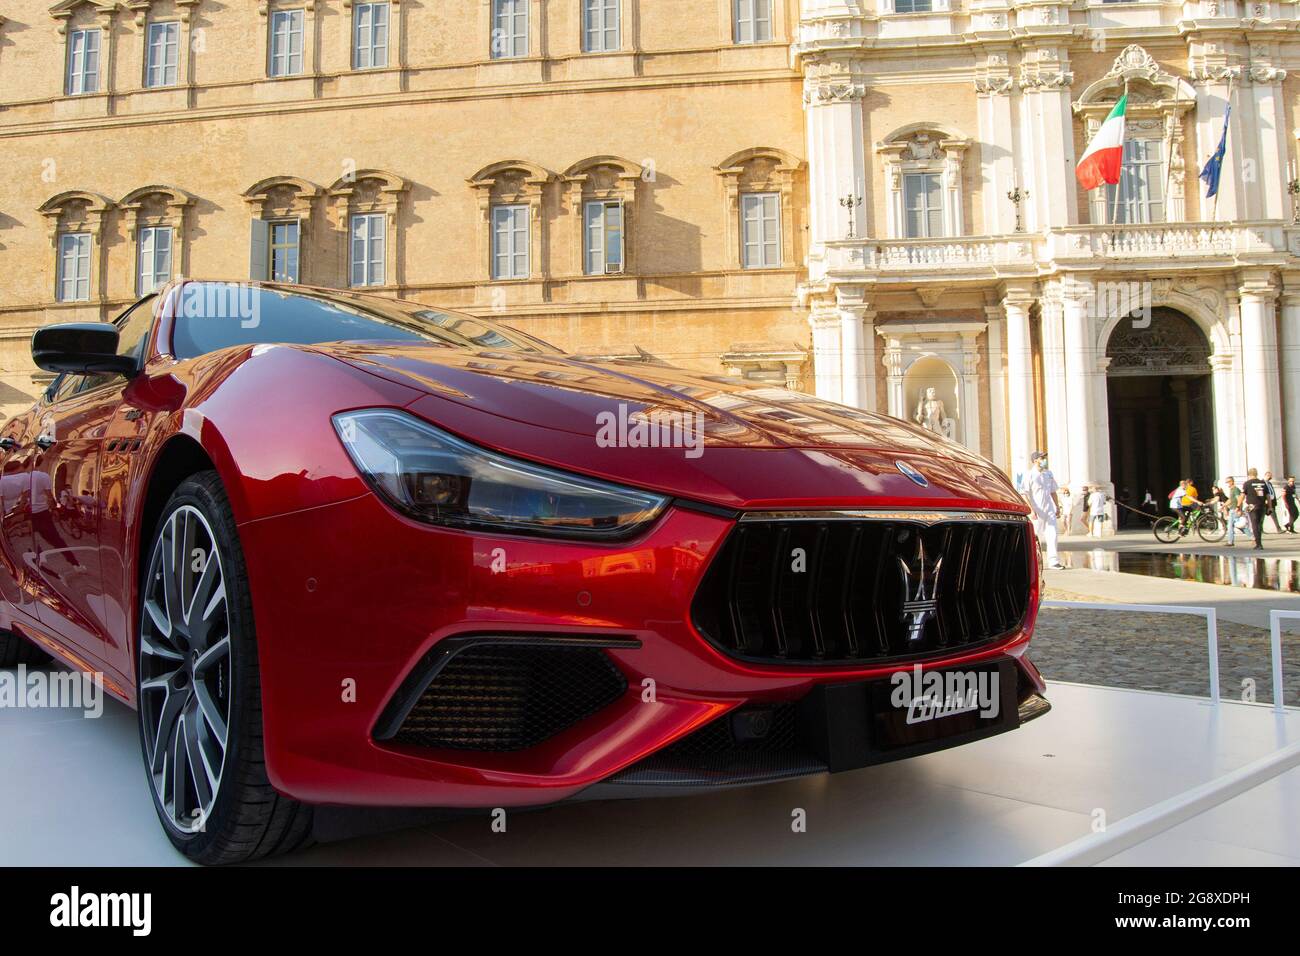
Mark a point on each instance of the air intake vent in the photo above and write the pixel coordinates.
(510, 697)
(864, 590)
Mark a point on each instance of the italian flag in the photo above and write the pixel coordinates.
(1105, 154)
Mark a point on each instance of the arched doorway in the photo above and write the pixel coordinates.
(1161, 406)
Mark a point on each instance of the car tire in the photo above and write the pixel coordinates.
(190, 689)
(14, 651)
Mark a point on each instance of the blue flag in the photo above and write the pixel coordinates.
(1214, 165)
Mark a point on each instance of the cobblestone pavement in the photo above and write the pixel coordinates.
(1160, 652)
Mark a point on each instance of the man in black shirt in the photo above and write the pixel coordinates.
(1257, 495)
(1288, 495)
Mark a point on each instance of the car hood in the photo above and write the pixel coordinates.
(604, 411)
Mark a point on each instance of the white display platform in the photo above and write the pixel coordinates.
(72, 792)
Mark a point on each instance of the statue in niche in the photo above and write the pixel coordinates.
(931, 415)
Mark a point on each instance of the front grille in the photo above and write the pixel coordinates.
(510, 697)
(858, 590)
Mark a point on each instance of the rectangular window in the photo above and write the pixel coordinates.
(370, 36)
(923, 206)
(74, 267)
(913, 6)
(760, 230)
(1141, 184)
(368, 249)
(162, 55)
(509, 28)
(753, 21)
(600, 25)
(83, 62)
(286, 43)
(604, 237)
(510, 242)
(282, 264)
(155, 259)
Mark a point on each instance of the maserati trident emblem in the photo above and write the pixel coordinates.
(912, 473)
(920, 586)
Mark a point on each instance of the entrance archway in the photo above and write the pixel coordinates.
(1160, 401)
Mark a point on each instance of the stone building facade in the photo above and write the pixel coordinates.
(865, 199)
(1139, 337)
(610, 175)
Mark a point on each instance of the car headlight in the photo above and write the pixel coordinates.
(432, 476)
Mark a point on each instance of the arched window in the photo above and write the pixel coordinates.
(281, 229)
(368, 203)
(76, 225)
(758, 186)
(601, 192)
(1153, 177)
(510, 195)
(923, 182)
(156, 227)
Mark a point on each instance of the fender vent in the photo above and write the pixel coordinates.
(511, 697)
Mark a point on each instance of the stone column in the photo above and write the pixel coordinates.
(893, 362)
(1290, 369)
(1229, 444)
(825, 322)
(1054, 397)
(852, 358)
(1020, 412)
(1263, 397)
(837, 159)
(970, 396)
(1080, 367)
(996, 346)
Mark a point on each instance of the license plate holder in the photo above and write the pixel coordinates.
(857, 724)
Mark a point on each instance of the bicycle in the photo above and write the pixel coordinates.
(1202, 520)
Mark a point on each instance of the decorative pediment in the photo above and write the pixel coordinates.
(1149, 87)
(63, 10)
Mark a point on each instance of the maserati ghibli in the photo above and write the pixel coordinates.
(344, 550)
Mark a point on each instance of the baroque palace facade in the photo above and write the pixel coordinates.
(864, 199)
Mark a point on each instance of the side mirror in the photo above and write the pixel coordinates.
(80, 347)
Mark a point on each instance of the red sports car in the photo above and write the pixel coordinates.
(343, 550)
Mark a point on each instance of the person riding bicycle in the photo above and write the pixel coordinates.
(1182, 498)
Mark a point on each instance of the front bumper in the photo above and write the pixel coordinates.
(351, 599)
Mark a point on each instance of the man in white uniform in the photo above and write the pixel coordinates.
(1040, 490)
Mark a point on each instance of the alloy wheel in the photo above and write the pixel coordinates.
(185, 670)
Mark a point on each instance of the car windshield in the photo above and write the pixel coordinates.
(217, 315)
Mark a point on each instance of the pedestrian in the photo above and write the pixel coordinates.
(1231, 508)
(1084, 493)
(1044, 506)
(1176, 499)
(1097, 513)
(1272, 501)
(1256, 492)
(1288, 495)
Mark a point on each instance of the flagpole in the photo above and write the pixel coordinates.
(1119, 184)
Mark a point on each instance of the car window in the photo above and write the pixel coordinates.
(212, 316)
(133, 327)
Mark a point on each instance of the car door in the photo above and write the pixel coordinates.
(67, 497)
(65, 508)
(17, 553)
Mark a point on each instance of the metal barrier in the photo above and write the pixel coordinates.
(1211, 624)
(1275, 639)
(1154, 820)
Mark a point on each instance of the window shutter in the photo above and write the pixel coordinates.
(258, 239)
